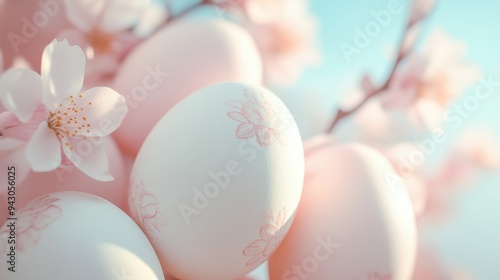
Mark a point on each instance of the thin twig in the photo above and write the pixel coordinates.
(188, 10)
(402, 54)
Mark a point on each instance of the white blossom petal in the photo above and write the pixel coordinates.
(151, 19)
(104, 110)
(44, 149)
(88, 155)
(108, 15)
(7, 143)
(20, 92)
(63, 69)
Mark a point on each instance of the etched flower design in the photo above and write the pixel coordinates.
(122, 275)
(257, 118)
(144, 207)
(51, 121)
(32, 219)
(271, 235)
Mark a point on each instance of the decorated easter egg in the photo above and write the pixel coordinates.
(70, 178)
(74, 235)
(350, 223)
(216, 183)
(178, 60)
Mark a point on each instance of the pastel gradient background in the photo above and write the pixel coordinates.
(470, 237)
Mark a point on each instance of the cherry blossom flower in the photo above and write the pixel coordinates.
(271, 235)
(257, 118)
(32, 219)
(286, 37)
(430, 80)
(144, 207)
(103, 30)
(51, 122)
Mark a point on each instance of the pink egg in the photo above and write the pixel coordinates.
(78, 236)
(115, 191)
(28, 26)
(350, 224)
(180, 59)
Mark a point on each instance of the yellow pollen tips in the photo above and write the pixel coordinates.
(90, 103)
(84, 118)
(80, 96)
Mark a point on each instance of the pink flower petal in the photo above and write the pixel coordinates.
(47, 217)
(103, 109)
(251, 95)
(20, 92)
(63, 69)
(148, 205)
(256, 260)
(29, 238)
(88, 155)
(245, 131)
(267, 232)
(281, 218)
(263, 135)
(43, 150)
(255, 248)
(108, 15)
(8, 120)
(235, 105)
(11, 127)
(237, 116)
(254, 113)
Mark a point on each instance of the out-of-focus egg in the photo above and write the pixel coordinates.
(74, 235)
(72, 179)
(216, 183)
(350, 223)
(178, 60)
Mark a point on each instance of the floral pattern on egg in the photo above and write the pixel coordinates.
(144, 208)
(271, 235)
(258, 118)
(32, 219)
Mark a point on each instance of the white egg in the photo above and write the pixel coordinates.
(78, 236)
(352, 223)
(217, 181)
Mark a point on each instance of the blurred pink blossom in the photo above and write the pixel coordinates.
(430, 80)
(103, 31)
(285, 32)
(420, 9)
(48, 118)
